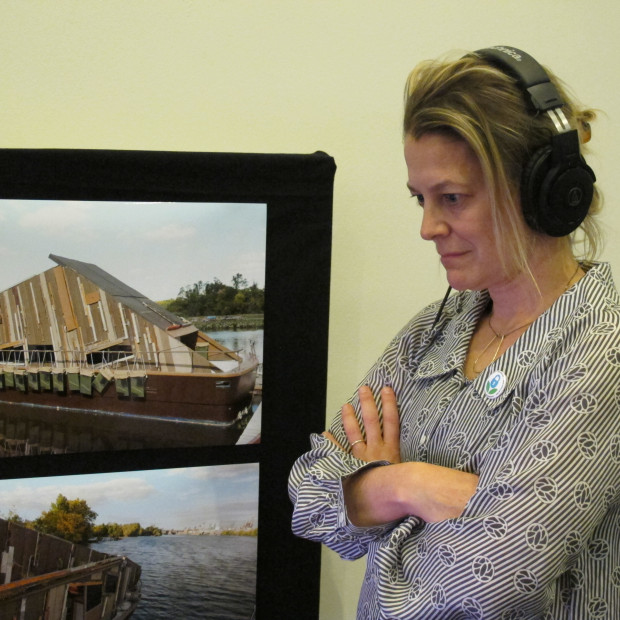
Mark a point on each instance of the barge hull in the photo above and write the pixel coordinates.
(215, 398)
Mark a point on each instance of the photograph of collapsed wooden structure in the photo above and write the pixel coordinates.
(75, 338)
(42, 576)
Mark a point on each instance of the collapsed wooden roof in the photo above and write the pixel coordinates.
(125, 294)
(78, 306)
(149, 310)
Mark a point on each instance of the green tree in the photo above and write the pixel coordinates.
(132, 529)
(151, 530)
(115, 530)
(13, 517)
(100, 531)
(239, 282)
(72, 520)
(239, 303)
(255, 299)
(217, 298)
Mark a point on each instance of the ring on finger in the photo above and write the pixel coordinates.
(357, 441)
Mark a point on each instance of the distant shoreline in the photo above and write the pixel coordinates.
(252, 532)
(229, 323)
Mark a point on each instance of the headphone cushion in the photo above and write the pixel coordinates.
(555, 200)
(532, 179)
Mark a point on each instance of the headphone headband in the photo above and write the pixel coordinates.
(530, 75)
(557, 185)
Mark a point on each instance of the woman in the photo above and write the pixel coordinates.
(478, 465)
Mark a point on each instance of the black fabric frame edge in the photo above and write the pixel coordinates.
(298, 191)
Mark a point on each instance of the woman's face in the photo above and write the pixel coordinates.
(446, 178)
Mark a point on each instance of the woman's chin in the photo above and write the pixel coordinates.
(458, 281)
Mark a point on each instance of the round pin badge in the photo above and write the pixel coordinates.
(495, 384)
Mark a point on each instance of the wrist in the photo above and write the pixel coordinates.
(439, 493)
(377, 495)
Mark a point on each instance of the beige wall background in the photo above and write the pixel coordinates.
(295, 77)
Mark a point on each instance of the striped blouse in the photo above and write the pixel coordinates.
(540, 538)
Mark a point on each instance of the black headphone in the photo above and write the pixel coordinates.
(557, 185)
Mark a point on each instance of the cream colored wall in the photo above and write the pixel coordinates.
(295, 77)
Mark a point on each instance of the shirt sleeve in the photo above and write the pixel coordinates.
(315, 488)
(315, 481)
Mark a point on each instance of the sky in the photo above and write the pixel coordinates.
(156, 248)
(216, 496)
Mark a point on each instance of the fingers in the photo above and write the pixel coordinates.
(391, 419)
(373, 439)
(353, 431)
(370, 415)
(350, 424)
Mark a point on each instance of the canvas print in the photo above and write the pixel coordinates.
(153, 545)
(130, 325)
(124, 274)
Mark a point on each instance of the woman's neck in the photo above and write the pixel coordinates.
(529, 294)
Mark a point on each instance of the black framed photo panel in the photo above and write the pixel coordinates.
(163, 359)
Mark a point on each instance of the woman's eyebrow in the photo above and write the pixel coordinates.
(441, 185)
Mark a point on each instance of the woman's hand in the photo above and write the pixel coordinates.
(380, 444)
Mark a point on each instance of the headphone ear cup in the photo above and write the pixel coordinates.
(555, 199)
(567, 195)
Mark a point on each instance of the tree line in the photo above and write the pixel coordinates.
(218, 299)
(74, 520)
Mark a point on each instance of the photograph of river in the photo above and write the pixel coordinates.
(192, 531)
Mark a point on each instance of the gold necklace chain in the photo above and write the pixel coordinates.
(499, 344)
(502, 337)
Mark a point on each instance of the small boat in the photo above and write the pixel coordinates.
(42, 576)
(76, 337)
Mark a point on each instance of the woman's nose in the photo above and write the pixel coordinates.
(433, 223)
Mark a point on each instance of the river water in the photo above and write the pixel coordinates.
(192, 577)
(241, 340)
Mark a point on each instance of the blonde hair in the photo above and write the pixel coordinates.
(472, 100)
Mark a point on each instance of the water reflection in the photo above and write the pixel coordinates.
(26, 430)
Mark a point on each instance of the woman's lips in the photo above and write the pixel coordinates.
(448, 258)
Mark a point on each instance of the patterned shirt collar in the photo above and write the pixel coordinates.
(448, 341)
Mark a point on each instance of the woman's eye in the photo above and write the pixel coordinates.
(452, 198)
(419, 198)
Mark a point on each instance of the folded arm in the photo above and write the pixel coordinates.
(383, 494)
(379, 495)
